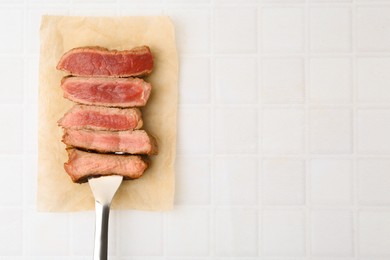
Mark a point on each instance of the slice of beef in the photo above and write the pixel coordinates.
(101, 118)
(82, 165)
(111, 92)
(132, 142)
(101, 62)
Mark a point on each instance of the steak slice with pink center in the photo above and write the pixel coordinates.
(101, 62)
(132, 142)
(110, 92)
(82, 165)
(101, 118)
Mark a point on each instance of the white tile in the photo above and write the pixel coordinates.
(39, 2)
(187, 232)
(192, 28)
(12, 90)
(373, 28)
(235, 130)
(330, 130)
(47, 233)
(89, 11)
(330, 29)
(144, 258)
(331, 233)
(283, 233)
(11, 2)
(372, 79)
(34, 23)
(236, 232)
(83, 228)
(283, 80)
(235, 180)
(194, 80)
(373, 128)
(235, 29)
(282, 131)
(282, 29)
(283, 182)
(282, 1)
(374, 181)
(56, 257)
(131, 11)
(11, 232)
(11, 136)
(235, 1)
(374, 233)
(187, 258)
(11, 26)
(183, 1)
(140, 233)
(30, 85)
(30, 175)
(30, 122)
(195, 123)
(235, 80)
(332, 1)
(11, 186)
(192, 180)
(330, 80)
(331, 181)
(122, 2)
(94, 1)
(62, 258)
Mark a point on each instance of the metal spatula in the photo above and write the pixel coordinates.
(103, 189)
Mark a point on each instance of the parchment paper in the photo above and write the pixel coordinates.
(153, 191)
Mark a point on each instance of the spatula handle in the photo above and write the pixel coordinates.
(101, 231)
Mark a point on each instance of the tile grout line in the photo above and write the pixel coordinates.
(367, 106)
(307, 110)
(354, 184)
(212, 79)
(330, 207)
(260, 84)
(258, 135)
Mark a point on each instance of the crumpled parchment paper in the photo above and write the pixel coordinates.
(153, 191)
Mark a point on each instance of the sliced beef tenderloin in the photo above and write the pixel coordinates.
(82, 165)
(101, 62)
(110, 92)
(101, 118)
(132, 142)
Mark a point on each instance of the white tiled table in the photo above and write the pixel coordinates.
(283, 141)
